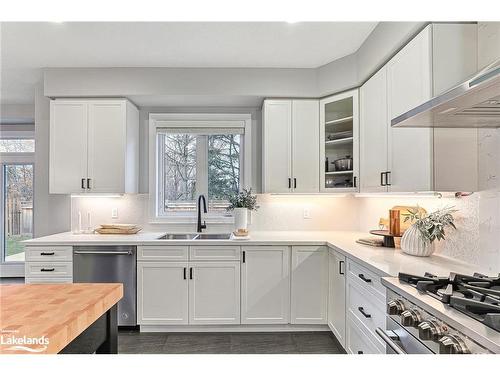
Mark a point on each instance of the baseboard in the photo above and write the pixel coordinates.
(237, 328)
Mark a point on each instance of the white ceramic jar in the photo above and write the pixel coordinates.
(413, 243)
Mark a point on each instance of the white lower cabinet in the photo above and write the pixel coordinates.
(336, 295)
(214, 293)
(357, 340)
(265, 285)
(309, 285)
(162, 293)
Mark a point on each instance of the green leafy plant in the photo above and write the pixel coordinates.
(432, 226)
(243, 199)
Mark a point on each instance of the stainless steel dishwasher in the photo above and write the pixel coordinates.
(110, 264)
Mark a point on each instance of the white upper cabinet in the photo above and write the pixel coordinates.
(408, 85)
(290, 146)
(93, 146)
(68, 146)
(339, 143)
(373, 133)
(309, 285)
(410, 159)
(265, 285)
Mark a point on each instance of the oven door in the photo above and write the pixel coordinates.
(399, 341)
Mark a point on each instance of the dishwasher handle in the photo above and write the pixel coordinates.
(389, 337)
(80, 252)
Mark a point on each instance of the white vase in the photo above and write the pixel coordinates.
(240, 218)
(413, 243)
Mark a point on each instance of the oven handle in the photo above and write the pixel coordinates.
(103, 252)
(389, 337)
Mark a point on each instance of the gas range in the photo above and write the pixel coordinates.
(458, 314)
(477, 296)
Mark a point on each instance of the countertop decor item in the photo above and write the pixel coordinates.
(419, 239)
(118, 229)
(371, 241)
(241, 203)
(388, 237)
(394, 222)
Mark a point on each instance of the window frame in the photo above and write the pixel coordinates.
(199, 120)
(13, 269)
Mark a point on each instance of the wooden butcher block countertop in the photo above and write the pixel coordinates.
(58, 312)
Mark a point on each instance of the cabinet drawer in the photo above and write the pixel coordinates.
(163, 253)
(49, 253)
(48, 280)
(365, 306)
(214, 253)
(369, 279)
(359, 341)
(49, 269)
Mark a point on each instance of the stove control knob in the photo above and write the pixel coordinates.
(431, 330)
(452, 344)
(395, 307)
(410, 318)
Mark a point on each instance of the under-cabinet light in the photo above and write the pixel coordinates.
(96, 195)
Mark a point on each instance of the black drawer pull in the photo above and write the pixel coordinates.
(289, 183)
(362, 311)
(341, 263)
(362, 277)
(360, 352)
(45, 253)
(184, 273)
(244, 257)
(191, 273)
(47, 270)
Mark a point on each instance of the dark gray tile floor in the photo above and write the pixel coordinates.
(134, 342)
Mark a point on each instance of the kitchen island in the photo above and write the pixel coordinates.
(59, 318)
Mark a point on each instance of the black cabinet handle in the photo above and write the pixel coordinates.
(355, 181)
(47, 270)
(184, 273)
(341, 263)
(83, 183)
(362, 277)
(294, 183)
(45, 253)
(289, 183)
(190, 273)
(360, 352)
(244, 258)
(382, 178)
(362, 311)
(88, 183)
(387, 183)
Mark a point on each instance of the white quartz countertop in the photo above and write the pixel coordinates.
(381, 260)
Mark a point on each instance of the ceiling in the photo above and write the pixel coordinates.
(28, 47)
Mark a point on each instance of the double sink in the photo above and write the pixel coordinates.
(196, 236)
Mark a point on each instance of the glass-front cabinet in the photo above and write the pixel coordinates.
(339, 143)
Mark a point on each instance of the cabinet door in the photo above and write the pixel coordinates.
(265, 285)
(309, 285)
(277, 146)
(336, 295)
(373, 133)
(339, 139)
(488, 44)
(162, 293)
(305, 146)
(409, 85)
(214, 293)
(68, 146)
(107, 143)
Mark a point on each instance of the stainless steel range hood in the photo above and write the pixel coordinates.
(472, 104)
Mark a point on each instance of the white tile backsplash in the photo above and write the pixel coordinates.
(476, 240)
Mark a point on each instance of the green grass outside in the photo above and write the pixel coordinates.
(14, 245)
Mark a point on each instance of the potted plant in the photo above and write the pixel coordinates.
(419, 238)
(241, 203)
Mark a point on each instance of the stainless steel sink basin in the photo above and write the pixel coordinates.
(178, 236)
(213, 236)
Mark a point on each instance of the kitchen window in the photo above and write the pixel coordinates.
(193, 155)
